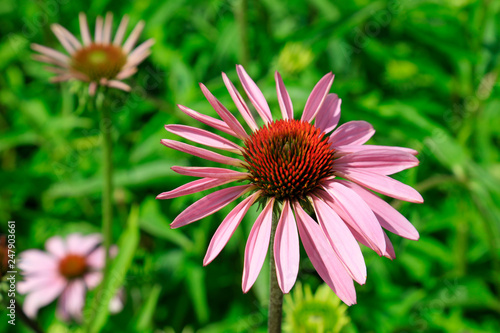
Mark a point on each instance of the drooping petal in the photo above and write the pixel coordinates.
(389, 249)
(323, 257)
(358, 211)
(209, 205)
(56, 246)
(329, 114)
(317, 97)
(257, 246)
(92, 88)
(377, 161)
(352, 133)
(254, 94)
(382, 184)
(286, 249)
(388, 217)
(341, 239)
(240, 103)
(203, 137)
(219, 173)
(227, 227)
(41, 297)
(200, 152)
(207, 120)
(227, 116)
(74, 298)
(350, 149)
(193, 187)
(283, 98)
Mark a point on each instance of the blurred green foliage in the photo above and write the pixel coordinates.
(424, 73)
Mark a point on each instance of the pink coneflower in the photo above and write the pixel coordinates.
(100, 61)
(293, 166)
(69, 268)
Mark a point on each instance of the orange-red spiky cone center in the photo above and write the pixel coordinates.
(99, 61)
(73, 266)
(288, 158)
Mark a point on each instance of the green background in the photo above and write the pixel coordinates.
(423, 73)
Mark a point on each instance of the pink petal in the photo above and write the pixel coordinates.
(200, 152)
(352, 133)
(92, 88)
(240, 103)
(218, 173)
(51, 53)
(283, 98)
(207, 120)
(98, 30)
(358, 211)
(92, 279)
(108, 24)
(388, 217)
(227, 227)
(36, 261)
(35, 282)
(89, 243)
(55, 245)
(257, 246)
(389, 249)
(376, 161)
(255, 95)
(203, 137)
(317, 97)
(329, 114)
(323, 257)
(382, 184)
(84, 29)
(139, 50)
(133, 37)
(62, 38)
(125, 73)
(121, 31)
(49, 60)
(228, 118)
(96, 259)
(118, 85)
(41, 297)
(69, 37)
(72, 300)
(209, 205)
(341, 239)
(193, 187)
(286, 249)
(350, 149)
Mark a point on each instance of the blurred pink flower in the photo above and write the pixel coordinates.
(292, 165)
(69, 268)
(99, 61)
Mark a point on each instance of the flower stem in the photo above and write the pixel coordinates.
(275, 294)
(107, 190)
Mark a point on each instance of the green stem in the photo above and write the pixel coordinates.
(107, 190)
(275, 294)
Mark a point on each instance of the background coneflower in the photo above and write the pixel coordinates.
(101, 61)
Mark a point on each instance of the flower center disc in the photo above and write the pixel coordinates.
(73, 266)
(99, 61)
(288, 158)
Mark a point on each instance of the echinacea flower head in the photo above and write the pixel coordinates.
(295, 166)
(66, 271)
(101, 61)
